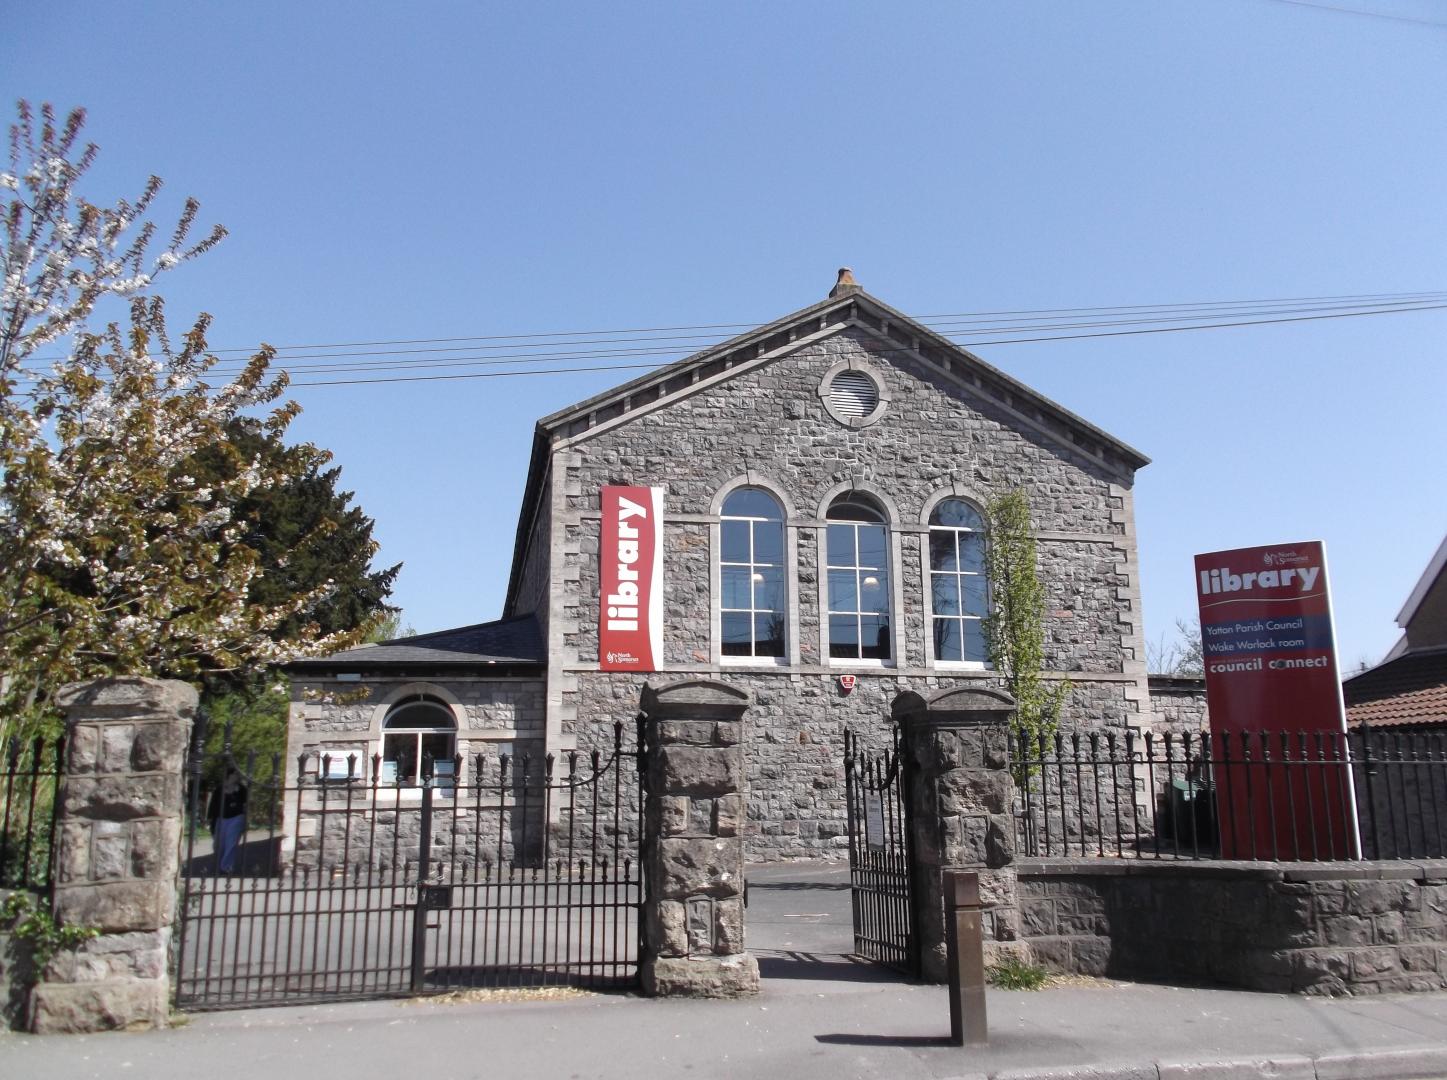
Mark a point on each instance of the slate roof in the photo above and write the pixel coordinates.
(1411, 689)
(515, 642)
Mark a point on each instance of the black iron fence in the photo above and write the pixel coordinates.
(877, 798)
(505, 871)
(29, 776)
(1254, 796)
(1401, 786)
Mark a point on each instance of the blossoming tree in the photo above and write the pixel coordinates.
(114, 557)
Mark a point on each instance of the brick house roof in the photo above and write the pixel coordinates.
(1409, 690)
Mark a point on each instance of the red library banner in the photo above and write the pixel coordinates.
(1269, 650)
(630, 579)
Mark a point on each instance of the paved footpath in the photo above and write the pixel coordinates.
(821, 1017)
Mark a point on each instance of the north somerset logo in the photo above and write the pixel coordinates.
(1284, 558)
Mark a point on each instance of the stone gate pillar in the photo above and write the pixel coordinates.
(956, 746)
(118, 829)
(693, 937)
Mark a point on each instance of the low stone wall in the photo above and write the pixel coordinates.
(1341, 928)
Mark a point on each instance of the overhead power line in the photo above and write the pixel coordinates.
(662, 346)
(1364, 14)
(962, 344)
(394, 363)
(1039, 314)
(488, 356)
(937, 322)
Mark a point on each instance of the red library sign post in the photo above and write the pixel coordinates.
(1269, 650)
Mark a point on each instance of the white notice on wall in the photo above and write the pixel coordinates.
(874, 820)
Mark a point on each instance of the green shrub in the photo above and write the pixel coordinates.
(1012, 973)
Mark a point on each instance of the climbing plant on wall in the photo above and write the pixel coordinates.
(1014, 629)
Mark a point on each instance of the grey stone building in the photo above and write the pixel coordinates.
(823, 479)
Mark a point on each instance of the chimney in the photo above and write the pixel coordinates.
(846, 284)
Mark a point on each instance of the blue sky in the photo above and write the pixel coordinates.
(430, 170)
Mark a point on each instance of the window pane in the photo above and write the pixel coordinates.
(735, 581)
(945, 594)
(841, 545)
(751, 502)
(768, 542)
(852, 506)
(419, 714)
(873, 591)
(976, 595)
(437, 746)
(401, 750)
(872, 546)
(843, 636)
(769, 634)
(736, 628)
(972, 552)
(942, 550)
(843, 590)
(734, 546)
(769, 588)
(957, 513)
(975, 648)
(948, 644)
(874, 637)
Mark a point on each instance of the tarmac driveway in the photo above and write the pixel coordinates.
(799, 926)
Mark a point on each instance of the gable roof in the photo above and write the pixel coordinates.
(1431, 577)
(513, 642)
(1411, 689)
(832, 315)
(844, 308)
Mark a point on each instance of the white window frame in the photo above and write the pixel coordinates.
(435, 705)
(753, 566)
(771, 487)
(928, 572)
(876, 502)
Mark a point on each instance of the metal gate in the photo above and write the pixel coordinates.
(519, 872)
(880, 849)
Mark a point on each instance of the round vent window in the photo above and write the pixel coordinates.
(852, 395)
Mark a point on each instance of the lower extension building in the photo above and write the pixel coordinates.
(797, 512)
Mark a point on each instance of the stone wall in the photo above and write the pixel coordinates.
(497, 716)
(769, 426)
(794, 742)
(534, 585)
(1179, 704)
(1339, 928)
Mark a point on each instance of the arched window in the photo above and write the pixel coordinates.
(959, 594)
(416, 729)
(751, 574)
(857, 563)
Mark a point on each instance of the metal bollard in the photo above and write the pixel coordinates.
(965, 957)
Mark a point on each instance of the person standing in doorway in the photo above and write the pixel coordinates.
(227, 814)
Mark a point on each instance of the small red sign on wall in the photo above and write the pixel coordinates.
(630, 578)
